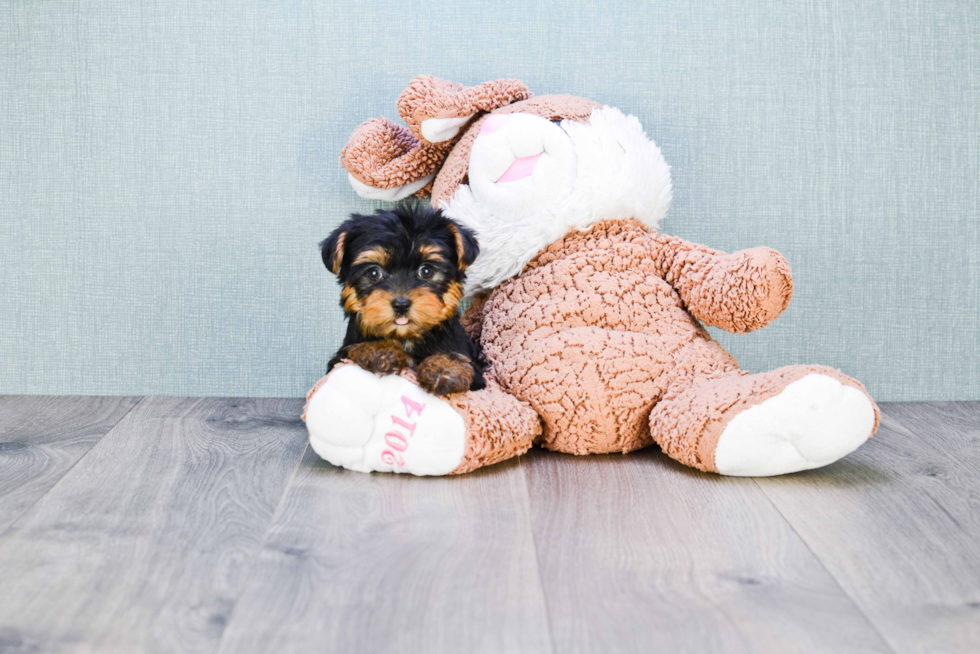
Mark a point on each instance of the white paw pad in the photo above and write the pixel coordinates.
(812, 422)
(366, 422)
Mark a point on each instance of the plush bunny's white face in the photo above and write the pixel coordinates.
(531, 180)
(521, 164)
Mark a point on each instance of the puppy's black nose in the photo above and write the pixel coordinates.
(401, 304)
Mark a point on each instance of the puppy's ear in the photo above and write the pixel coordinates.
(467, 247)
(332, 250)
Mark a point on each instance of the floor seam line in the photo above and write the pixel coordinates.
(945, 456)
(14, 522)
(836, 581)
(537, 556)
(258, 550)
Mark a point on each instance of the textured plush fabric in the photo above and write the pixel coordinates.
(595, 334)
(167, 170)
(384, 155)
(429, 97)
(497, 427)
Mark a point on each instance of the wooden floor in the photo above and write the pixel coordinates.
(207, 525)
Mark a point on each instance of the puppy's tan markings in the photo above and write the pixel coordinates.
(450, 300)
(338, 254)
(431, 252)
(376, 315)
(459, 244)
(349, 298)
(427, 309)
(372, 255)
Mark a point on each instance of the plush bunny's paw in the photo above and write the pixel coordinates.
(812, 422)
(366, 422)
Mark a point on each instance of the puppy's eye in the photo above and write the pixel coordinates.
(375, 273)
(426, 271)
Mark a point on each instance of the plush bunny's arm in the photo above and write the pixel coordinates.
(738, 292)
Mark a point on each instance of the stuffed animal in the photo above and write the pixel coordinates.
(591, 322)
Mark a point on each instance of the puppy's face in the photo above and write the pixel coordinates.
(402, 271)
(401, 289)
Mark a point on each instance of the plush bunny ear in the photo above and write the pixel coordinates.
(385, 161)
(435, 110)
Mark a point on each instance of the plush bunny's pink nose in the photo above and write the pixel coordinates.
(520, 169)
(522, 166)
(494, 122)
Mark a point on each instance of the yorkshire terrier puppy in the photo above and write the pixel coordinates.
(402, 273)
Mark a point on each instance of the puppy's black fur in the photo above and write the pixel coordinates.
(402, 273)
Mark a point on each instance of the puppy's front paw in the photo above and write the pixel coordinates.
(443, 374)
(382, 357)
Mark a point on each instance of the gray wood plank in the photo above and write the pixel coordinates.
(391, 563)
(898, 525)
(953, 428)
(146, 543)
(640, 554)
(41, 438)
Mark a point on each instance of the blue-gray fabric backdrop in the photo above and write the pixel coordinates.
(167, 169)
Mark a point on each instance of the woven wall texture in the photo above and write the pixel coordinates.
(167, 169)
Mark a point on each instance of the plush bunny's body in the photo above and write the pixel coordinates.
(590, 321)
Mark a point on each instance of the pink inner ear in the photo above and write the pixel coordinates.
(494, 122)
(520, 169)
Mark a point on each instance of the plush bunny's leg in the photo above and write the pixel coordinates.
(498, 426)
(810, 422)
(367, 422)
(592, 387)
(790, 419)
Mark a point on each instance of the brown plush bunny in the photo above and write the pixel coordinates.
(590, 321)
